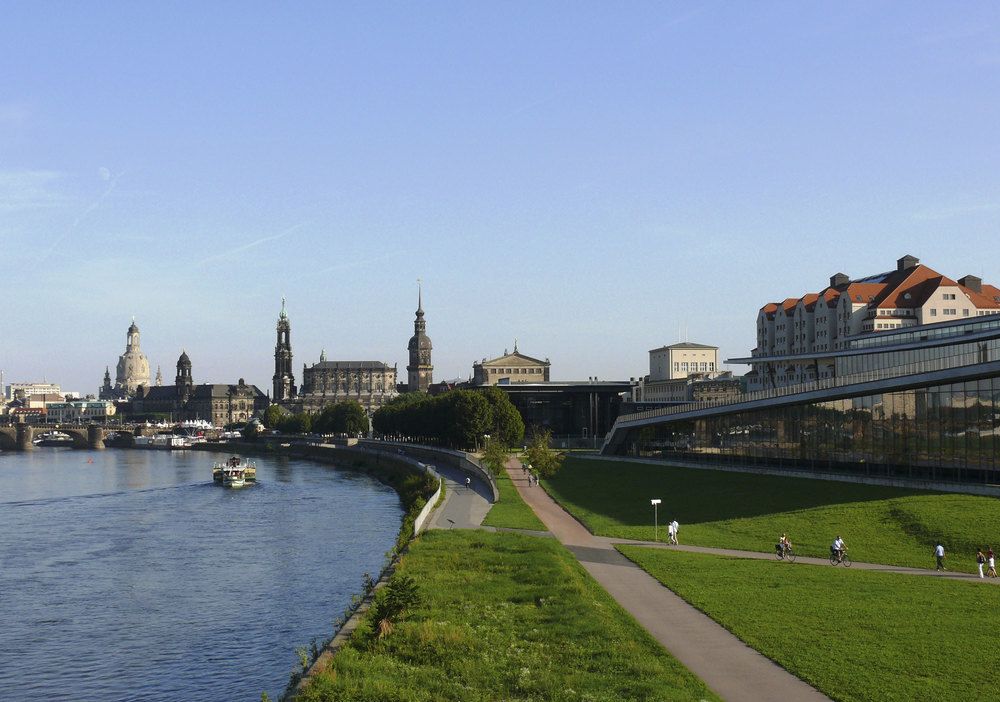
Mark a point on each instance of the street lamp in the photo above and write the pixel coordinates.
(656, 536)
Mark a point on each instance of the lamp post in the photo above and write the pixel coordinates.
(655, 503)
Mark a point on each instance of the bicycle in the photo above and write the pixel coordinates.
(844, 559)
(785, 554)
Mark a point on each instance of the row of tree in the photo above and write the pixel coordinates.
(347, 417)
(459, 419)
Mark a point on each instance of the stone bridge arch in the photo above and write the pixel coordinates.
(19, 436)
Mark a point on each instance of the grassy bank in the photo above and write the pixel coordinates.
(855, 635)
(511, 512)
(748, 511)
(505, 617)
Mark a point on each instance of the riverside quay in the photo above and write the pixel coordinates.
(921, 404)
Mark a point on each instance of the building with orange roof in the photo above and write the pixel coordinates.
(911, 295)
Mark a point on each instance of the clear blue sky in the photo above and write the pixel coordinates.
(590, 178)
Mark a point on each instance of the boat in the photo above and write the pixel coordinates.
(53, 438)
(162, 441)
(234, 472)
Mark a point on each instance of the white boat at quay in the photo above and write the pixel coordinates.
(163, 441)
(234, 472)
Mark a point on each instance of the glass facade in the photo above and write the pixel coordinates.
(943, 432)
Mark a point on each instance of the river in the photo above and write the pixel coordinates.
(130, 575)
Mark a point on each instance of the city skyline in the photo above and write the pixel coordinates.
(592, 182)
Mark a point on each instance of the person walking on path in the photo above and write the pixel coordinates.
(674, 528)
(991, 570)
(670, 532)
(980, 561)
(939, 555)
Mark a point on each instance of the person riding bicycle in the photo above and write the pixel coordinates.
(838, 548)
(784, 545)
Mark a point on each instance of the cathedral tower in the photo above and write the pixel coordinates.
(133, 367)
(284, 380)
(420, 372)
(184, 383)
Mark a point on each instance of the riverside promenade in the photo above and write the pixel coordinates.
(732, 669)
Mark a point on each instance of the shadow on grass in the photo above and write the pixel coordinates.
(621, 491)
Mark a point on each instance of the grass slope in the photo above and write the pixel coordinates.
(749, 511)
(506, 617)
(893, 637)
(511, 512)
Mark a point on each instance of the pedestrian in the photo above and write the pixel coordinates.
(468, 483)
(670, 532)
(939, 555)
(991, 569)
(673, 534)
(980, 561)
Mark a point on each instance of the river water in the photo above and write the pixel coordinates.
(130, 575)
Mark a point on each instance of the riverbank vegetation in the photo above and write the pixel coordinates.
(853, 634)
(503, 617)
(749, 511)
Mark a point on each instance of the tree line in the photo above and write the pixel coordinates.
(347, 417)
(459, 419)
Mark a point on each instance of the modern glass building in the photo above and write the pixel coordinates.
(920, 404)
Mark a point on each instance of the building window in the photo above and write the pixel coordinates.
(949, 296)
(933, 312)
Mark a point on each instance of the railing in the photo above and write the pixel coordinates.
(969, 358)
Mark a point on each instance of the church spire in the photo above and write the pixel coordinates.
(420, 372)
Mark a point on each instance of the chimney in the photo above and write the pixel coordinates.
(838, 280)
(907, 262)
(972, 283)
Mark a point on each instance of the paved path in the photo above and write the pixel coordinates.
(728, 666)
(757, 555)
(464, 507)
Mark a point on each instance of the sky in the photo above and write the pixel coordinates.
(592, 179)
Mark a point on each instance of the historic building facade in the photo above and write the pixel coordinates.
(513, 367)
(284, 379)
(218, 403)
(370, 383)
(798, 337)
(132, 370)
(419, 372)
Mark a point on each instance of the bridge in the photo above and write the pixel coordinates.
(19, 437)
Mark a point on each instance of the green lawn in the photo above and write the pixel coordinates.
(748, 511)
(511, 511)
(506, 617)
(893, 637)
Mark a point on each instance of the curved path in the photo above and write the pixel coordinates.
(463, 507)
(728, 666)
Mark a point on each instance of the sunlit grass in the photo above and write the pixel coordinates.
(854, 634)
(511, 511)
(750, 511)
(506, 617)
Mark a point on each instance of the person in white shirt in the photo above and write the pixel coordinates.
(674, 528)
(838, 548)
(939, 555)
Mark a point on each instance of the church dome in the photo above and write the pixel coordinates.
(184, 360)
(419, 342)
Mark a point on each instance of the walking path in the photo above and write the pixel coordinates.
(732, 669)
(757, 555)
(464, 507)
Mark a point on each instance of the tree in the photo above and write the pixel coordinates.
(351, 418)
(505, 421)
(544, 461)
(464, 419)
(273, 416)
(495, 455)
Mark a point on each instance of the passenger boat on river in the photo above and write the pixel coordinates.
(234, 472)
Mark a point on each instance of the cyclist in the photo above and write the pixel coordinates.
(838, 548)
(784, 545)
